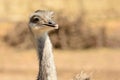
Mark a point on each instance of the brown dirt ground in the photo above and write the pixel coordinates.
(100, 64)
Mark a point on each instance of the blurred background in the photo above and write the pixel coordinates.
(87, 40)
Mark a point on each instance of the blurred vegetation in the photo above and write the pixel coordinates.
(83, 23)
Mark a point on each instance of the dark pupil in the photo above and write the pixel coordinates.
(35, 20)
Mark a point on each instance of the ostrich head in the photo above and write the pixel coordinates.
(41, 22)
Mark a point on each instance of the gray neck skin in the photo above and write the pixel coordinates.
(47, 69)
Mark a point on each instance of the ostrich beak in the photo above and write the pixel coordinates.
(52, 24)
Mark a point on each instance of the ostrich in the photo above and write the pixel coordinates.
(40, 24)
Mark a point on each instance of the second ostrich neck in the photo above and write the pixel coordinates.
(46, 61)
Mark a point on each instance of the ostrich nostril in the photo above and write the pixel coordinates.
(50, 22)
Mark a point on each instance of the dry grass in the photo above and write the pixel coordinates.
(84, 28)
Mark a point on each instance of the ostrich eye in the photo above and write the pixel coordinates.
(35, 20)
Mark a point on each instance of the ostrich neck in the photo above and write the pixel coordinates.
(46, 62)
